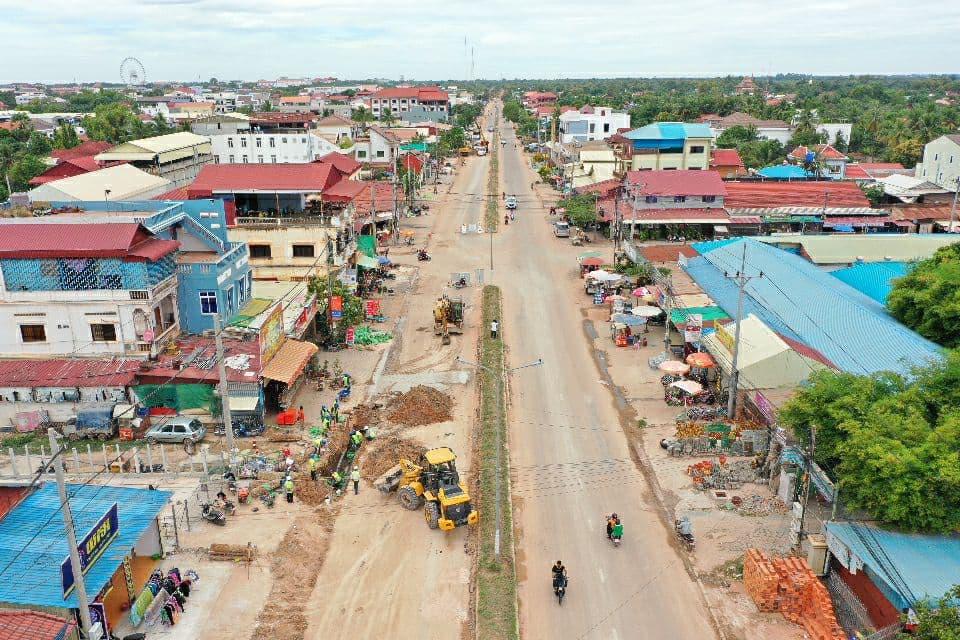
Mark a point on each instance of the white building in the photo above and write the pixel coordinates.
(251, 147)
(591, 123)
(29, 96)
(401, 99)
(941, 162)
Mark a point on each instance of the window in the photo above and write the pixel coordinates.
(273, 159)
(679, 198)
(273, 142)
(229, 297)
(208, 302)
(651, 200)
(709, 198)
(245, 160)
(260, 251)
(259, 142)
(303, 141)
(283, 140)
(361, 154)
(303, 251)
(259, 159)
(379, 154)
(951, 159)
(606, 127)
(103, 332)
(936, 157)
(230, 142)
(243, 142)
(232, 159)
(33, 333)
(696, 149)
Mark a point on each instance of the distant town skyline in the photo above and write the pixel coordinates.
(191, 40)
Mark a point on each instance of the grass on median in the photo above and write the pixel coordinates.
(496, 580)
(493, 186)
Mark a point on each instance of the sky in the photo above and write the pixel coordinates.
(189, 40)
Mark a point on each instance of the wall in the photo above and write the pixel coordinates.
(232, 272)
(941, 163)
(287, 148)
(686, 160)
(780, 135)
(832, 129)
(58, 411)
(281, 240)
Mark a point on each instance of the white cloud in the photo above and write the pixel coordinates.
(59, 40)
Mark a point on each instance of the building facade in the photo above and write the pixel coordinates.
(591, 123)
(178, 157)
(669, 146)
(401, 99)
(941, 162)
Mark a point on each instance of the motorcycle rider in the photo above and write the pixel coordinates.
(612, 521)
(559, 575)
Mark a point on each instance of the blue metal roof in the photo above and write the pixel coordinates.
(903, 565)
(785, 171)
(801, 301)
(669, 131)
(874, 279)
(31, 566)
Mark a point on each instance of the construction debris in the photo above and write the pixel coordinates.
(386, 452)
(788, 585)
(276, 435)
(757, 505)
(722, 474)
(233, 552)
(366, 336)
(421, 405)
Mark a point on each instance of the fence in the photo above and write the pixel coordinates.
(851, 613)
(183, 515)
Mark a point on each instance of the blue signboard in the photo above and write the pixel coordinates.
(91, 547)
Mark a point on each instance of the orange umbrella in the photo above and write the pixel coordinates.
(701, 360)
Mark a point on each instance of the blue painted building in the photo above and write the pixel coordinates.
(213, 273)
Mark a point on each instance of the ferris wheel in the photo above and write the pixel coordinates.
(132, 72)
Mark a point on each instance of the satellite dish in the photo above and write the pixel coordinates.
(132, 72)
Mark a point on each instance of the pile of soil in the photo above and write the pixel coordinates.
(421, 405)
(308, 491)
(383, 453)
(363, 415)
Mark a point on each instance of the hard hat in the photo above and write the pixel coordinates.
(356, 466)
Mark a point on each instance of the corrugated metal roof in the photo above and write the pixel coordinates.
(928, 565)
(128, 241)
(818, 193)
(154, 145)
(669, 131)
(32, 574)
(874, 247)
(874, 279)
(124, 181)
(680, 182)
(61, 372)
(803, 302)
(312, 177)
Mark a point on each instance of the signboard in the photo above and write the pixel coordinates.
(372, 308)
(766, 409)
(348, 277)
(351, 335)
(91, 547)
(271, 334)
(98, 613)
(305, 318)
(693, 327)
(724, 336)
(336, 307)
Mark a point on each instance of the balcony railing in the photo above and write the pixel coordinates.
(286, 221)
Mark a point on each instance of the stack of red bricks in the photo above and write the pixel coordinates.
(789, 586)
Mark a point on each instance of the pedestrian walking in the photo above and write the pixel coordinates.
(335, 412)
(495, 329)
(288, 488)
(312, 465)
(355, 476)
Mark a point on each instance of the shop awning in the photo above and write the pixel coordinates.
(367, 262)
(244, 403)
(290, 361)
(708, 314)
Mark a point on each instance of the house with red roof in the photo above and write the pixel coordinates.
(369, 203)
(66, 169)
(684, 202)
(402, 99)
(79, 288)
(535, 99)
(727, 163)
(830, 162)
(799, 205)
(274, 189)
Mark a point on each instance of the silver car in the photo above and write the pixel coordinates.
(177, 430)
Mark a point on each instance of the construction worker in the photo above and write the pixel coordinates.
(335, 412)
(317, 445)
(356, 437)
(347, 380)
(288, 488)
(355, 476)
(324, 412)
(312, 465)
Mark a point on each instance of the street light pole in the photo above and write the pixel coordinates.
(224, 387)
(499, 444)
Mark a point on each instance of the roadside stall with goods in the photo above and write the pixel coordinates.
(589, 264)
(601, 283)
(624, 328)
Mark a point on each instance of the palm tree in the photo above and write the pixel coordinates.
(387, 117)
(363, 116)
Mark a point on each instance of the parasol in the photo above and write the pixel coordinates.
(630, 321)
(674, 366)
(604, 276)
(588, 254)
(591, 262)
(646, 311)
(701, 360)
(690, 386)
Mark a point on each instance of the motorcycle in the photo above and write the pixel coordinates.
(229, 508)
(212, 514)
(560, 587)
(616, 534)
(423, 256)
(460, 284)
(684, 530)
(155, 468)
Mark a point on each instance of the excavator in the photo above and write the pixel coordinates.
(433, 484)
(447, 317)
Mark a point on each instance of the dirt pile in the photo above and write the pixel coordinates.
(363, 415)
(385, 452)
(421, 405)
(308, 491)
(294, 567)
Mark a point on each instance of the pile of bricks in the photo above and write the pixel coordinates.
(789, 586)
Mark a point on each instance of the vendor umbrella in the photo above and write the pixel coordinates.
(588, 254)
(604, 276)
(639, 292)
(383, 260)
(689, 386)
(591, 262)
(630, 321)
(614, 297)
(674, 367)
(701, 360)
(646, 311)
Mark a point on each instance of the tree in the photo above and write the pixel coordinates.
(451, 140)
(65, 137)
(805, 135)
(927, 299)
(353, 311)
(581, 210)
(513, 111)
(23, 170)
(113, 123)
(387, 117)
(38, 145)
(762, 153)
(364, 116)
(874, 194)
(840, 143)
(906, 153)
(940, 622)
(345, 143)
(736, 136)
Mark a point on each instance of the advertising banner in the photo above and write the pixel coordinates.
(91, 547)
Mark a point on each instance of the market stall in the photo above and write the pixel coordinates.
(589, 264)
(623, 329)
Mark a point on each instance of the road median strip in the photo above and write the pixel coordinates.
(497, 616)
(493, 187)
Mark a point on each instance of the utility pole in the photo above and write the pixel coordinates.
(78, 583)
(806, 486)
(224, 387)
(741, 279)
(396, 212)
(330, 324)
(953, 207)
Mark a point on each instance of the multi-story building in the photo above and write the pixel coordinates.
(778, 130)
(941, 162)
(401, 99)
(669, 145)
(177, 157)
(591, 123)
(656, 201)
(81, 288)
(534, 99)
(256, 147)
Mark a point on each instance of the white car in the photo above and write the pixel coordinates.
(511, 202)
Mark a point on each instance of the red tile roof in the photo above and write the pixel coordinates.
(684, 182)
(342, 162)
(68, 168)
(31, 625)
(742, 195)
(274, 117)
(362, 193)
(822, 151)
(88, 148)
(420, 93)
(667, 252)
(871, 170)
(411, 162)
(61, 372)
(180, 193)
(311, 177)
(603, 187)
(678, 215)
(125, 240)
(726, 158)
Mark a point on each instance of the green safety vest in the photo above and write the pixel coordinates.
(312, 464)
(288, 485)
(336, 476)
(357, 438)
(355, 475)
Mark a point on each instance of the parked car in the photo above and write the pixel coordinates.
(561, 229)
(511, 202)
(177, 430)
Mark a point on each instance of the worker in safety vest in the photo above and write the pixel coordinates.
(288, 488)
(336, 481)
(355, 476)
(312, 465)
(317, 445)
(357, 439)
